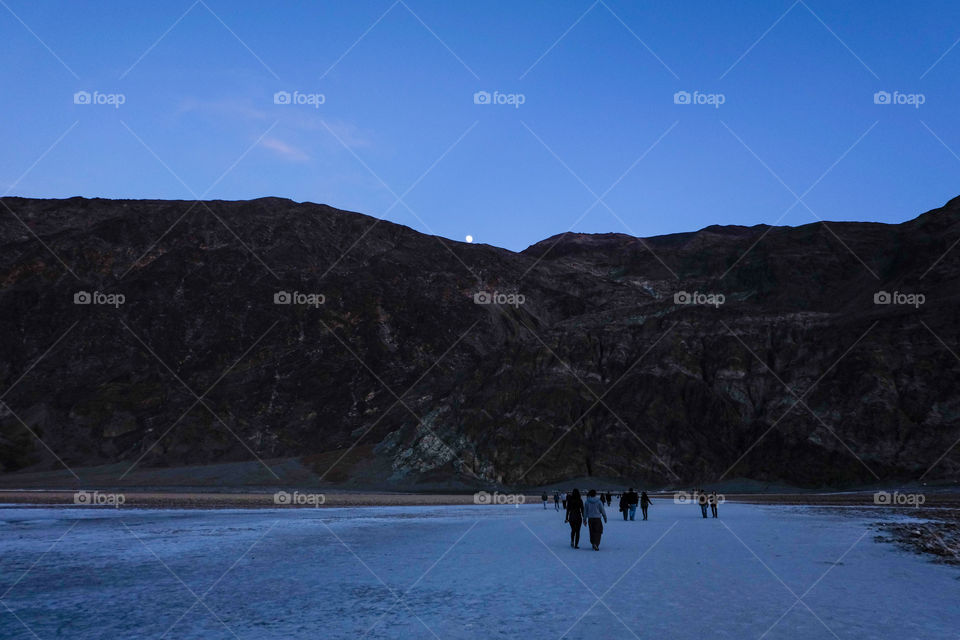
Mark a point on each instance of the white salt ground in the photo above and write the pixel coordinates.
(463, 572)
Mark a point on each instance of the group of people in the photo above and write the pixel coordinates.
(592, 512)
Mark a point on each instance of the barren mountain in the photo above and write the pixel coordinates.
(149, 334)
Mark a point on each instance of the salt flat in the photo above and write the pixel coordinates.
(463, 572)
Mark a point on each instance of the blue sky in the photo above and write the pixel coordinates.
(597, 81)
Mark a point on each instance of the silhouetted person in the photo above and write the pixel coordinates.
(609, 498)
(556, 501)
(624, 507)
(713, 503)
(644, 503)
(702, 501)
(575, 517)
(563, 499)
(543, 499)
(632, 501)
(594, 511)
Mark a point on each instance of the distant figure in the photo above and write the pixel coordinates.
(556, 501)
(632, 501)
(594, 511)
(624, 506)
(575, 517)
(702, 501)
(713, 503)
(543, 499)
(563, 498)
(609, 499)
(644, 503)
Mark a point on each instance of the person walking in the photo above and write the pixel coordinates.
(563, 499)
(596, 516)
(644, 503)
(632, 501)
(575, 517)
(543, 498)
(702, 501)
(713, 503)
(624, 507)
(556, 501)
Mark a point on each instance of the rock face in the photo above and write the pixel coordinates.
(587, 362)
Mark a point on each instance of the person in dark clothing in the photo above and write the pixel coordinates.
(594, 511)
(702, 501)
(632, 501)
(713, 503)
(624, 507)
(609, 499)
(556, 501)
(644, 503)
(575, 517)
(543, 499)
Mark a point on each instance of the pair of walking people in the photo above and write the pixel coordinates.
(705, 500)
(590, 513)
(629, 502)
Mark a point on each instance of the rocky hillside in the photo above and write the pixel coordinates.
(730, 352)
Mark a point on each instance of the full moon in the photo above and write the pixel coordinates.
(469, 238)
